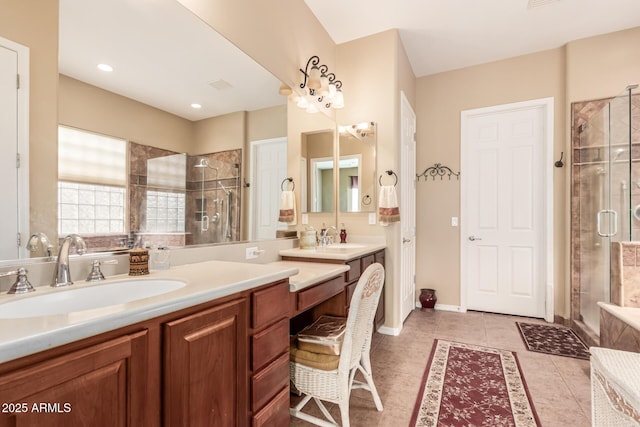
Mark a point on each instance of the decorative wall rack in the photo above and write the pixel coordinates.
(438, 170)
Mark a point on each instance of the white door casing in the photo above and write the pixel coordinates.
(268, 169)
(14, 146)
(506, 209)
(408, 207)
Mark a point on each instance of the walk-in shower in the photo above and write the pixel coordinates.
(604, 186)
(221, 213)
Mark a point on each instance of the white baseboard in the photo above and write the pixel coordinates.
(445, 307)
(389, 331)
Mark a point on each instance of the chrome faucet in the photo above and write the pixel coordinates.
(61, 274)
(325, 239)
(32, 244)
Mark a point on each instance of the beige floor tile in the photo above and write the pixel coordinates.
(559, 386)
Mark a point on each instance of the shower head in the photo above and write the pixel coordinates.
(203, 163)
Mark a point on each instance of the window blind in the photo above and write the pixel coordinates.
(91, 158)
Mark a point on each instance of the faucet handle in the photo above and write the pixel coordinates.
(95, 275)
(21, 285)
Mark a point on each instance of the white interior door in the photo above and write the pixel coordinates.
(9, 248)
(269, 168)
(503, 210)
(408, 207)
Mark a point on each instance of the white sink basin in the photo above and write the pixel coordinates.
(86, 298)
(343, 246)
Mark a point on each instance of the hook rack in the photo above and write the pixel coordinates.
(289, 179)
(389, 172)
(437, 170)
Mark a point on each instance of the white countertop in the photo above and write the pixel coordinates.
(334, 252)
(310, 273)
(205, 281)
(629, 315)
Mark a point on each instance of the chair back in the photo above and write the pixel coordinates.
(362, 310)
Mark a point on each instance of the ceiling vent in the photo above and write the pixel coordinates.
(220, 84)
(538, 3)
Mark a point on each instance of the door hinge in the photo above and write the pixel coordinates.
(414, 136)
(17, 160)
(17, 81)
(19, 239)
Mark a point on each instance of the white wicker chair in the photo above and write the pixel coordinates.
(335, 386)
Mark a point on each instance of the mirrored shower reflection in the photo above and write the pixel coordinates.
(175, 203)
(605, 190)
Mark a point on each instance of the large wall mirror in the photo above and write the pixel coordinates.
(239, 103)
(357, 167)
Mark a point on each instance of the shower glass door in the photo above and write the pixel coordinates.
(605, 213)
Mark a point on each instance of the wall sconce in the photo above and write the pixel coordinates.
(321, 89)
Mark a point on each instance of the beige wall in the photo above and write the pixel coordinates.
(88, 107)
(39, 32)
(440, 100)
(280, 35)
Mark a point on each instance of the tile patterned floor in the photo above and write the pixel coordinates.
(559, 386)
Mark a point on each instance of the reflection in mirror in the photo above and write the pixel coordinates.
(317, 171)
(239, 100)
(357, 166)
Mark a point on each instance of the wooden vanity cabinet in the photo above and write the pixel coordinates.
(221, 363)
(100, 385)
(269, 370)
(333, 297)
(204, 359)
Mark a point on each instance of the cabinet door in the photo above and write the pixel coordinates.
(206, 367)
(102, 385)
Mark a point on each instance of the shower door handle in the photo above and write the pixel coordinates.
(615, 222)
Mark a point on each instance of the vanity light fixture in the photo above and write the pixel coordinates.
(105, 67)
(321, 89)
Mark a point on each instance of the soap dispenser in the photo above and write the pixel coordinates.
(343, 234)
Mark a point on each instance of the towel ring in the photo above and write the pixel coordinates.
(293, 184)
(366, 200)
(389, 172)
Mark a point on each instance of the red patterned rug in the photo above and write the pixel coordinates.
(470, 385)
(549, 339)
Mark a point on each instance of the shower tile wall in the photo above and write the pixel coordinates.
(224, 161)
(584, 242)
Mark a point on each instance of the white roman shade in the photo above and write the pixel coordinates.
(90, 158)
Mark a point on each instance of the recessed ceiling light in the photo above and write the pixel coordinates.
(196, 106)
(105, 67)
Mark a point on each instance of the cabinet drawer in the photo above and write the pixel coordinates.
(269, 381)
(268, 343)
(367, 261)
(354, 271)
(379, 257)
(315, 295)
(276, 413)
(270, 304)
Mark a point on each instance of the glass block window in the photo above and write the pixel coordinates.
(165, 212)
(90, 209)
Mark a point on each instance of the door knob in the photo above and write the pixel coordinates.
(472, 238)
(405, 240)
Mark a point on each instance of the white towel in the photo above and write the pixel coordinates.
(288, 207)
(388, 209)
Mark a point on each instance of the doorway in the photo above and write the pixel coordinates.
(14, 146)
(407, 207)
(507, 209)
(268, 167)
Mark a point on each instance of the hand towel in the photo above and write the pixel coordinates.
(288, 207)
(388, 209)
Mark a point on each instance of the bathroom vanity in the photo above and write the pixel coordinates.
(334, 297)
(214, 352)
